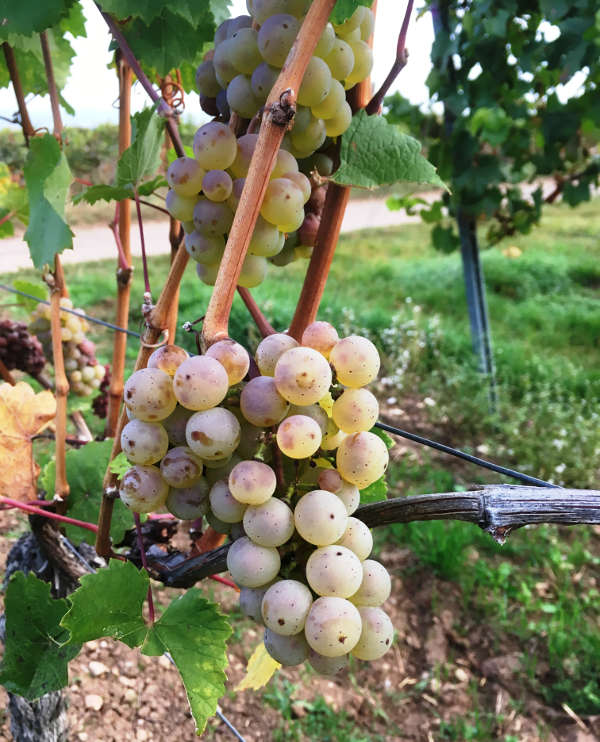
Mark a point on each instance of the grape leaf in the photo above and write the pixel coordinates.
(195, 634)
(48, 178)
(102, 192)
(32, 16)
(109, 603)
(35, 656)
(344, 8)
(375, 153)
(388, 440)
(374, 492)
(85, 470)
(30, 288)
(261, 668)
(119, 465)
(142, 158)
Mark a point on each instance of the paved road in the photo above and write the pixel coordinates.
(96, 242)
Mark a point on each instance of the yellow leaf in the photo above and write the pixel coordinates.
(23, 414)
(512, 251)
(324, 464)
(327, 404)
(261, 668)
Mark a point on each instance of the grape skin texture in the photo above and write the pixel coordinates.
(287, 650)
(168, 358)
(376, 585)
(180, 207)
(355, 410)
(175, 425)
(185, 176)
(283, 199)
(215, 146)
(327, 665)
(270, 350)
(181, 467)
(333, 436)
(302, 376)
(333, 626)
(261, 404)
(251, 602)
(200, 383)
(299, 436)
(356, 361)
(358, 538)
(224, 505)
(362, 459)
(252, 482)
(269, 524)
(212, 218)
(213, 434)
(204, 248)
(254, 271)
(252, 565)
(334, 571)
(285, 607)
(189, 503)
(276, 36)
(143, 489)
(314, 411)
(233, 357)
(217, 185)
(376, 636)
(320, 517)
(215, 470)
(144, 443)
(148, 393)
(315, 84)
(320, 336)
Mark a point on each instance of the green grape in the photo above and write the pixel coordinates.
(175, 425)
(217, 185)
(357, 537)
(181, 467)
(205, 248)
(179, 207)
(144, 443)
(329, 107)
(352, 23)
(315, 84)
(235, 24)
(200, 383)
(311, 138)
(240, 97)
(207, 273)
(321, 336)
(355, 360)
(262, 80)
(216, 524)
(287, 650)
(252, 565)
(252, 482)
(224, 505)
(340, 60)
(263, 9)
(184, 175)
(245, 149)
(333, 437)
(188, 226)
(221, 32)
(299, 436)
(266, 240)
(215, 146)
(206, 81)
(320, 517)
(167, 358)
(301, 181)
(212, 218)
(302, 376)
(327, 665)
(355, 410)
(244, 50)
(285, 607)
(285, 256)
(376, 636)
(214, 473)
(376, 585)
(223, 66)
(283, 200)
(285, 163)
(326, 42)
(334, 571)
(294, 223)
(337, 125)
(254, 271)
(362, 459)
(363, 63)
(269, 524)
(367, 24)
(276, 36)
(302, 118)
(189, 503)
(261, 404)
(315, 411)
(270, 350)
(148, 393)
(333, 626)
(233, 357)
(142, 489)
(213, 434)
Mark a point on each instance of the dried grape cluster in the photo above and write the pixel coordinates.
(83, 371)
(19, 349)
(238, 75)
(278, 462)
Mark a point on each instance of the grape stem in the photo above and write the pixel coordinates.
(13, 71)
(142, 241)
(264, 327)
(52, 90)
(278, 108)
(140, 542)
(33, 510)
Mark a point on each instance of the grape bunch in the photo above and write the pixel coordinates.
(83, 371)
(19, 349)
(277, 461)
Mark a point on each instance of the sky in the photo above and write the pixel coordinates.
(92, 88)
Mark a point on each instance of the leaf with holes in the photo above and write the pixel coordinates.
(109, 603)
(48, 178)
(195, 634)
(375, 153)
(36, 655)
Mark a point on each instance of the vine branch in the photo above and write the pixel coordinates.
(11, 64)
(52, 90)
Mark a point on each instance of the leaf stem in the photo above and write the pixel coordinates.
(142, 241)
(140, 542)
(33, 510)
(153, 206)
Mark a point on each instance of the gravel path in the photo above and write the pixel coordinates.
(96, 242)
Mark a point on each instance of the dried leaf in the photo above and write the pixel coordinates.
(23, 414)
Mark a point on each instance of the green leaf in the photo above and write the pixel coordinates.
(32, 16)
(375, 153)
(85, 471)
(119, 465)
(30, 288)
(374, 492)
(35, 657)
(102, 192)
(444, 239)
(142, 158)
(195, 634)
(388, 440)
(109, 603)
(48, 178)
(344, 8)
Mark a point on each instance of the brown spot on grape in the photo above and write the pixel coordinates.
(338, 553)
(130, 393)
(387, 641)
(342, 639)
(280, 621)
(198, 435)
(331, 516)
(131, 444)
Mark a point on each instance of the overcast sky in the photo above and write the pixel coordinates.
(92, 88)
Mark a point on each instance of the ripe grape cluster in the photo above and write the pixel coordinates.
(238, 75)
(19, 349)
(83, 371)
(277, 463)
